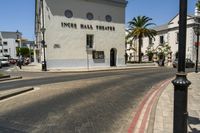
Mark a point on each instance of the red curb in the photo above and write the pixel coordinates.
(155, 88)
(145, 117)
(141, 105)
(149, 107)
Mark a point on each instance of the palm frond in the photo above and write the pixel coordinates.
(198, 5)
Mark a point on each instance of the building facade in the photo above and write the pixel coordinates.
(8, 44)
(81, 33)
(167, 38)
(168, 35)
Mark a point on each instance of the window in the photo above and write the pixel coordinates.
(177, 38)
(68, 14)
(108, 18)
(90, 41)
(5, 50)
(90, 16)
(1, 51)
(56, 46)
(5, 43)
(161, 39)
(150, 41)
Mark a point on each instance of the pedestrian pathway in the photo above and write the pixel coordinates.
(141, 119)
(164, 111)
(38, 68)
(155, 112)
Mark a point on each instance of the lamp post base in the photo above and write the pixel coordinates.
(181, 84)
(44, 66)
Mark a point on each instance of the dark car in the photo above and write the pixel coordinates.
(188, 63)
(13, 61)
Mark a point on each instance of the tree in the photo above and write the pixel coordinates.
(198, 5)
(149, 53)
(25, 52)
(138, 28)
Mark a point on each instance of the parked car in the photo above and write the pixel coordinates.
(13, 61)
(4, 61)
(188, 63)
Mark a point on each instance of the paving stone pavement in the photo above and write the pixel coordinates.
(36, 67)
(164, 111)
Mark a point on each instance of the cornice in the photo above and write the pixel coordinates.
(122, 3)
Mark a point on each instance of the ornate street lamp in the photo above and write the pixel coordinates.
(44, 63)
(19, 49)
(2, 46)
(181, 83)
(197, 32)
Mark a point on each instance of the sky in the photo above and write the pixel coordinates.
(19, 14)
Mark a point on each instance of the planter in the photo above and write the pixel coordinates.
(4, 76)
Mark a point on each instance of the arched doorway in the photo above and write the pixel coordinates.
(113, 57)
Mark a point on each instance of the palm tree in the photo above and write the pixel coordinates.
(198, 5)
(138, 28)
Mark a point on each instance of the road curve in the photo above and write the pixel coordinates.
(99, 102)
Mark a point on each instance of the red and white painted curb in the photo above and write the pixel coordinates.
(140, 120)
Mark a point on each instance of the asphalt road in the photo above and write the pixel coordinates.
(95, 102)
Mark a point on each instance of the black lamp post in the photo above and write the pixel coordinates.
(44, 63)
(197, 32)
(181, 83)
(1, 44)
(19, 49)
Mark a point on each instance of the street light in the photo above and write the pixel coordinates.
(44, 63)
(197, 32)
(2, 46)
(181, 83)
(19, 49)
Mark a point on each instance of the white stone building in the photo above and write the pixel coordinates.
(9, 44)
(81, 33)
(167, 34)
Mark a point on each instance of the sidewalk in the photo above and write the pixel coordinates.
(38, 68)
(164, 111)
(155, 112)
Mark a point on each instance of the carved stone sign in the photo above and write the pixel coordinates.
(87, 26)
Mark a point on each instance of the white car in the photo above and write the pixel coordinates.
(4, 61)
